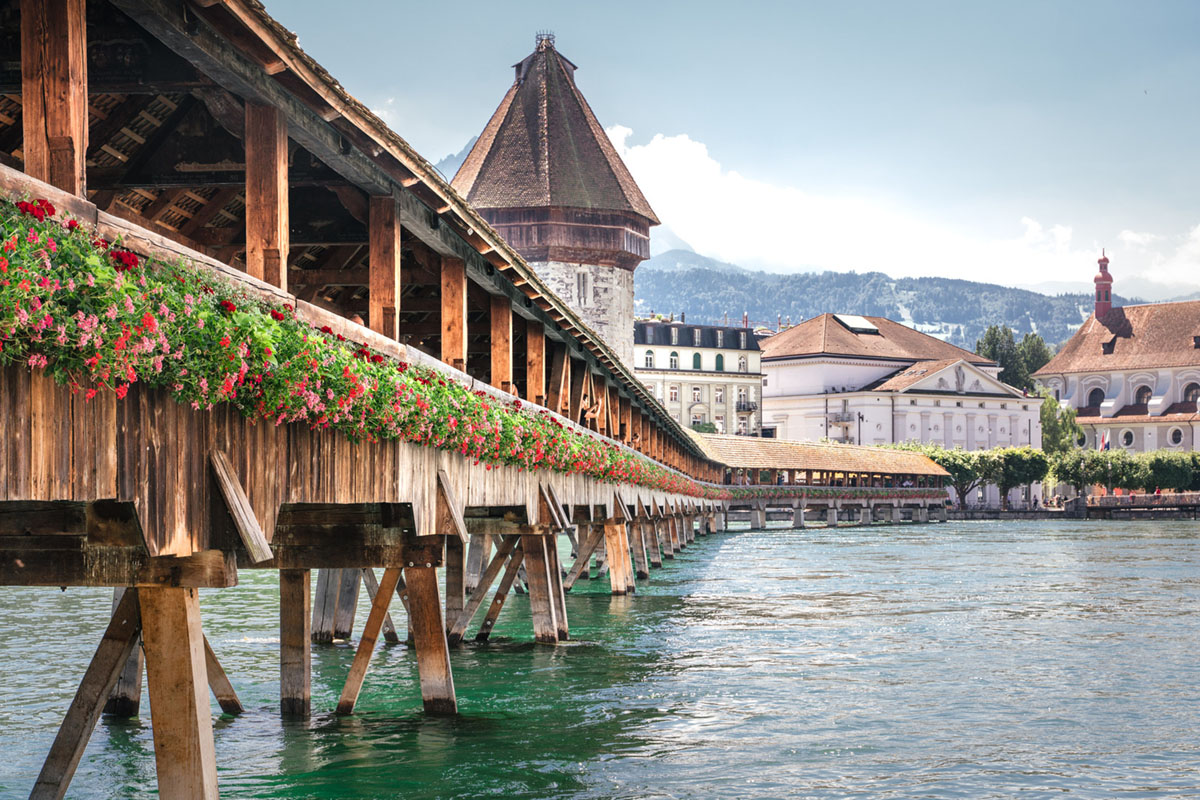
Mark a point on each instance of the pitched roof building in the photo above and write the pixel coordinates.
(544, 174)
(871, 380)
(1132, 373)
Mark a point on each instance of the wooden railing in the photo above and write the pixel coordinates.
(1145, 500)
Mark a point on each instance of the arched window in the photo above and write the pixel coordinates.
(1095, 398)
(720, 362)
(1191, 392)
(741, 363)
(1127, 438)
(1142, 396)
(1175, 437)
(695, 361)
(649, 359)
(674, 363)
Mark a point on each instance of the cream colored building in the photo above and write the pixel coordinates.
(702, 373)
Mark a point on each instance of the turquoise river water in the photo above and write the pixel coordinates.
(963, 660)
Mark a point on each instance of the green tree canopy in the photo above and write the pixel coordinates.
(1034, 354)
(1059, 429)
(997, 344)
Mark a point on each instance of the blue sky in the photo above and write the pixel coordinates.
(1006, 141)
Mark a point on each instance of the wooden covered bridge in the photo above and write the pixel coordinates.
(185, 160)
(195, 220)
(847, 483)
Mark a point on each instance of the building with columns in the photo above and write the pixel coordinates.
(702, 373)
(870, 380)
(544, 174)
(1132, 373)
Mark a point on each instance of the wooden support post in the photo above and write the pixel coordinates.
(366, 645)
(638, 540)
(558, 596)
(502, 361)
(383, 262)
(625, 409)
(295, 644)
(458, 626)
(454, 313)
(266, 194)
(125, 700)
(119, 641)
(587, 546)
(347, 603)
(372, 583)
(219, 682)
(535, 362)
(493, 612)
(455, 578)
(668, 536)
(324, 604)
(650, 536)
(54, 92)
(429, 639)
(537, 572)
(614, 544)
(177, 678)
(479, 551)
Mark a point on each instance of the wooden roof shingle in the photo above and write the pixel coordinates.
(748, 452)
(1132, 337)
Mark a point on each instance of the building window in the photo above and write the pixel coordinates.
(1191, 393)
(1175, 437)
(674, 335)
(695, 394)
(695, 361)
(583, 287)
(674, 360)
(720, 339)
(649, 359)
(719, 421)
(720, 361)
(741, 364)
(741, 394)
(1142, 396)
(742, 340)
(1127, 438)
(718, 394)
(697, 419)
(695, 337)
(1095, 398)
(673, 394)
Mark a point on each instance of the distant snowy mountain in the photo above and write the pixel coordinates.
(450, 164)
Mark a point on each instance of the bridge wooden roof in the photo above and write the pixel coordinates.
(168, 80)
(748, 452)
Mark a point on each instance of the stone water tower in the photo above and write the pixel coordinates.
(546, 177)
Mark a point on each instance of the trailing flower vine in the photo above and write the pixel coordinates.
(98, 317)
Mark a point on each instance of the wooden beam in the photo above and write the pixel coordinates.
(54, 92)
(493, 612)
(429, 639)
(266, 194)
(459, 626)
(125, 699)
(119, 641)
(502, 362)
(177, 678)
(295, 643)
(366, 645)
(454, 313)
(372, 583)
(535, 362)
(239, 508)
(384, 265)
(537, 573)
(219, 682)
(329, 277)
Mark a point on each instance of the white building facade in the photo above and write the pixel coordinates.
(702, 373)
(872, 381)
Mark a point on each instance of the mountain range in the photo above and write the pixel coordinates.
(682, 282)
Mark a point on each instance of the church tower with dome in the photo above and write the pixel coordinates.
(544, 174)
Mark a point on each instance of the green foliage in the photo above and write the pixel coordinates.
(964, 466)
(997, 344)
(1059, 430)
(1168, 469)
(705, 427)
(1010, 467)
(1034, 353)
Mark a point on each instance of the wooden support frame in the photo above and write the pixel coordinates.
(506, 583)
(429, 639)
(541, 601)
(504, 553)
(587, 546)
(558, 393)
(266, 194)
(372, 583)
(295, 643)
(241, 512)
(454, 313)
(54, 92)
(535, 362)
(383, 264)
(366, 645)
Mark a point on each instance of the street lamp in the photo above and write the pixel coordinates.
(860, 422)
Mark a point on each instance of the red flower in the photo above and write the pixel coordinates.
(149, 322)
(123, 260)
(72, 224)
(100, 244)
(277, 315)
(121, 391)
(227, 307)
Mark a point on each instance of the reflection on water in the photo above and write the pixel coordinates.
(959, 660)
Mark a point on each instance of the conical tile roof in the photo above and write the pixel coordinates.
(545, 148)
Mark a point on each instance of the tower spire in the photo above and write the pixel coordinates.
(1104, 282)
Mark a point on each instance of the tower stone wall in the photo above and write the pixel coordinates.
(602, 296)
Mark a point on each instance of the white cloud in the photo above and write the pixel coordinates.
(726, 215)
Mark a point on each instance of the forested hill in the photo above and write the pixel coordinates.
(958, 311)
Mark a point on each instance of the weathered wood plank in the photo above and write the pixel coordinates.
(266, 194)
(295, 643)
(501, 342)
(429, 639)
(54, 91)
(384, 265)
(366, 645)
(125, 699)
(239, 508)
(219, 682)
(454, 313)
(541, 604)
(372, 583)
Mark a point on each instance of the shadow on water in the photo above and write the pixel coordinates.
(962, 660)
